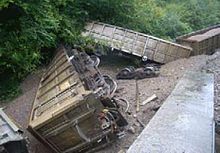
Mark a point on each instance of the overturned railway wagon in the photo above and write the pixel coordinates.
(204, 41)
(136, 43)
(73, 110)
(11, 137)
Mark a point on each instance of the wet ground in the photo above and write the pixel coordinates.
(19, 109)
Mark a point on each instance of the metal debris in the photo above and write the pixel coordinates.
(149, 99)
(141, 123)
(122, 101)
(140, 73)
(74, 108)
(131, 129)
(137, 97)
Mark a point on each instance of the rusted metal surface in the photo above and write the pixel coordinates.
(136, 43)
(204, 41)
(11, 139)
(72, 110)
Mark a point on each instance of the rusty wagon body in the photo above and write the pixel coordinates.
(204, 41)
(71, 111)
(135, 43)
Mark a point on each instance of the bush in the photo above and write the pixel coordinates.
(28, 29)
(28, 26)
(9, 87)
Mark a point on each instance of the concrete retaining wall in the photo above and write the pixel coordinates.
(184, 123)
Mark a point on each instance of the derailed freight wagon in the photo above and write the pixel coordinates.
(11, 137)
(73, 110)
(204, 41)
(135, 43)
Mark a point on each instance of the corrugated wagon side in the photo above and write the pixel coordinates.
(136, 43)
(66, 116)
(11, 136)
(204, 41)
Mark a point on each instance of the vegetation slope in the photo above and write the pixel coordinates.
(30, 28)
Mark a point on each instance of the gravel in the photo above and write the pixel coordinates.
(19, 109)
(162, 86)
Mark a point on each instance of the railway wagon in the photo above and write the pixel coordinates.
(204, 41)
(67, 116)
(135, 43)
(11, 136)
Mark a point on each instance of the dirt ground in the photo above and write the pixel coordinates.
(162, 86)
(19, 110)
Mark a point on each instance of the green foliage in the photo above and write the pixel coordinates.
(29, 28)
(170, 18)
(201, 13)
(9, 87)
